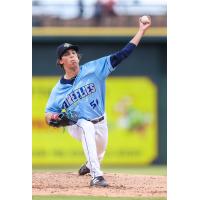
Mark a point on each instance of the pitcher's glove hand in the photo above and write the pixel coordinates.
(60, 120)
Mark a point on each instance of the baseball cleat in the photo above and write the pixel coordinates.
(83, 170)
(99, 181)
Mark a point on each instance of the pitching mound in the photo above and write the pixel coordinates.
(120, 185)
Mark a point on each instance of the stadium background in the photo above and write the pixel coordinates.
(136, 96)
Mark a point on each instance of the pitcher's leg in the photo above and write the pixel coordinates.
(75, 131)
(89, 147)
(101, 139)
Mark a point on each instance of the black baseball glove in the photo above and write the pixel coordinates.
(62, 119)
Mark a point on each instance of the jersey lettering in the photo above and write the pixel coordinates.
(65, 104)
(90, 88)
(73, 97)
(83, 91)
(69, 99)
(79, 94)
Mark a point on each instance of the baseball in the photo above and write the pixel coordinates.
(145, 19)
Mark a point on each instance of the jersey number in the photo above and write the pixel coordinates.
(94, 103)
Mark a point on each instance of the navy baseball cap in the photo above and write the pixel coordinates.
(61, 49)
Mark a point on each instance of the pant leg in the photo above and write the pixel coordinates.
(101, 137)
(89, 146)
(75, 131)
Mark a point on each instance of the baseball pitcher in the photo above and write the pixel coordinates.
(77, 102)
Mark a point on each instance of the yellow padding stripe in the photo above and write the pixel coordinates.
(99, 31)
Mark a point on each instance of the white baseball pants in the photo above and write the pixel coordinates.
(94, 138)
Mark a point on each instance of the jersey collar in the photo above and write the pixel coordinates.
(67, 81)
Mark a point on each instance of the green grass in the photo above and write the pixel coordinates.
(149, 170)
(159, 170)
(95, 198)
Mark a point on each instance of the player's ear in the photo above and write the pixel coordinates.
(79, 56)
(60, 62)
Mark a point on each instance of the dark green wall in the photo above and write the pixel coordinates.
(149, 59)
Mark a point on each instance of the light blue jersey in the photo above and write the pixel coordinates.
(86, 96)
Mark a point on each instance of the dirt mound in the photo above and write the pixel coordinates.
(120, 185)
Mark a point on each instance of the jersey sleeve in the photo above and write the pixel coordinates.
(119, 56)
(51, 105)
(102, 67)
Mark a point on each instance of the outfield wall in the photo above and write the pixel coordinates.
(148, 62)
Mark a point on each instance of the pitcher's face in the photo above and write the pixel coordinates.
(70, 60)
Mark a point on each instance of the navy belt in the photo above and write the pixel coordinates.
(97, 120)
